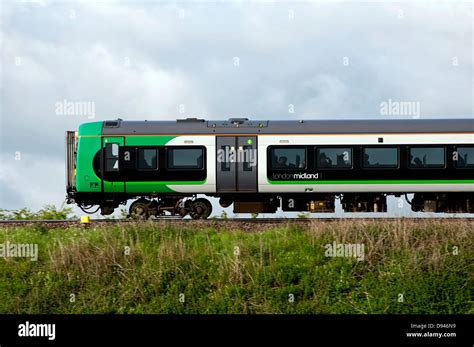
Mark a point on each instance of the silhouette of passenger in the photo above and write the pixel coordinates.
(281, 163)
(366, 160)
(462, 161)
(417, 162)
(341, 162)
(148, 162)
(324, 160)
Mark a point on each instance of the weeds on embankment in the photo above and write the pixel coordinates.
(407, 267)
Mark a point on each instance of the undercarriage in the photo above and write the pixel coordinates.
(145, 207)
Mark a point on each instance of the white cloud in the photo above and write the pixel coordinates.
(32, 181)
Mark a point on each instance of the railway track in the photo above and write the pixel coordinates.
(211, 221)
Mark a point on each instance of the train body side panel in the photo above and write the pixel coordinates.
(89, 142)
(147, 187)
(191, 186)
(382, 184)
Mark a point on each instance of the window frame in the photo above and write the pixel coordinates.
(246, 164)
(427, 168)
(169, 150)
(363, 167)
(226, 166)
(111, 157)
(156, 149)
(456, 161)
(316, 157)
(272, 147)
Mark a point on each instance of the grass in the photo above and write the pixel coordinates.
(156, 268)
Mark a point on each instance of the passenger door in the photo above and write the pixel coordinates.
(112, 174)
(236, 164)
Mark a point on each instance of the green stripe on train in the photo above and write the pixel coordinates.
(372, 182)
(157, 187)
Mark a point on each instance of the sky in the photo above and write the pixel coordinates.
(215, 60)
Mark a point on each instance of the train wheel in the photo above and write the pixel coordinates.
(202, 209)
(184, 208)
(139, 210)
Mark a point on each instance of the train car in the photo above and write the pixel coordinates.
(260, 166)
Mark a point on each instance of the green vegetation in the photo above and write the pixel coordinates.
(47, 212)
(145, 268)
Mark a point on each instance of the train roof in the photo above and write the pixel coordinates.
(246, 126)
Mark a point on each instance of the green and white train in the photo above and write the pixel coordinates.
(259, 166)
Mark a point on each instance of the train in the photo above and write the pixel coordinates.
(259, 166)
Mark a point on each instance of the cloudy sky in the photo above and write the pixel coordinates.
(208, 59)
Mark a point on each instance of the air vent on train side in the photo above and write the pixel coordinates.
(186, 120)
(112, 123)
(237, 122)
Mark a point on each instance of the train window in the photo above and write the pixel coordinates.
(247, 166)
(112, 165)
(225, 162)
(464, 157)
(380, 157)
(111, 157)
(185, 158)
(427, 157)
(147, 159)
(334, 158)
(288, 158)
(112, 150)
